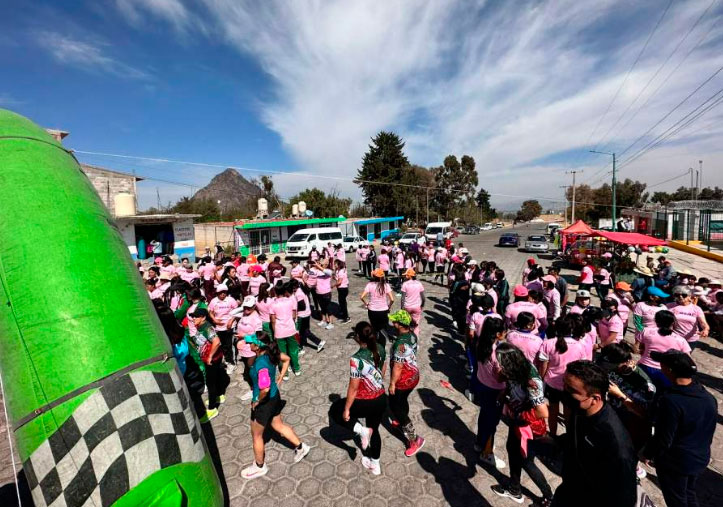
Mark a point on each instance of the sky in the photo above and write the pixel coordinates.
(298, 89)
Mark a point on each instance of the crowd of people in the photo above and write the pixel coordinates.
(618, 376)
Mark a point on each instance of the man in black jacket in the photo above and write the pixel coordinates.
(599, 458)
(686, 421)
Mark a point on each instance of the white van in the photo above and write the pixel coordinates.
(300, 243)
(434, 228)
(551, 227)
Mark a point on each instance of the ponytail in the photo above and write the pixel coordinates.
(665, 320)
(263, 291)
(365, 332)
(569, 325)
(560, 344)
(272, 347)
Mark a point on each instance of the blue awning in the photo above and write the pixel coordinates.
(377, 220)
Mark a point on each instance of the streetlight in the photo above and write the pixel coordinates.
(614, 182)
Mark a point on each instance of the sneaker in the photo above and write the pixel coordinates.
(346, 321)
(365, 436)
(230, 368)
(286, 377)
(247, 396)
(414, 447)
(468, 394)
(320, 347)
(210, 414)
(501, 491)
(641, 473)
(372, 465)
(299, 454)
(254, 471)
(321, 323)
(221, 399)
(329, 326)
(302, 352)
(297, 373)
(493, 460)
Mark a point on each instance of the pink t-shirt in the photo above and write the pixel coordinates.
(254, 284)
(323, 281)
(311, 278)
(477, 320)
(488, 372)
(647, 313)
(283, 309)
(514, 309)
(412, 290)
(383, 260)
(605, 274)
(341, 254)
(363, 253)
(242, 272)
(342, 280)
(264, 309)
(528, 342)
(653, 341)
(613, 325)
(589, 341)
(623, 307)
(686, 321)
(378, 302)
(556, 362)
(576, 309)
(440, 258)
(302, 297)
(297, 272)
(587, 275)
(207, 271)
(221, 310)
(400, 260)
(188, 276)
(248, 324)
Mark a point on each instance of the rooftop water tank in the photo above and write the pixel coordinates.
(125, 205)
(302, 207)
(294, 210)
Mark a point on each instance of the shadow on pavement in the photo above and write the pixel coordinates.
(210, 437)
(9, 495)
(335, 434)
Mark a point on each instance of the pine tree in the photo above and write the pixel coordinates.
(384, 162)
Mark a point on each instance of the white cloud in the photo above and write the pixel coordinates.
(87, 55)
(172, 10)
(510, 83)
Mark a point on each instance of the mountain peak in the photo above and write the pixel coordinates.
(232, 189)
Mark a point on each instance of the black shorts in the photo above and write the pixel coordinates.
(267, 410)
(324, 301)
(440, 269)
(553, 395)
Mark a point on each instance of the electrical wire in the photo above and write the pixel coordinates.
(667, 181)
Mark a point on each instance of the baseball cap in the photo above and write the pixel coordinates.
(222, 288)
(251, 259)
(623, 286)
(249, 302)
(531, 260)
(402, 317)
(714, 281)
(199, 312)
(549, 278)
(410, 272)
(256, 269)
(252, 338)
(655, 291)
(679, 362)
(463, 250)
(582, 294)
(520, 291)
(477, 288)
(472, 262)
(379, 273)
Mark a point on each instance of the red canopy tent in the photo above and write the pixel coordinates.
(630, 238)
(579, 228)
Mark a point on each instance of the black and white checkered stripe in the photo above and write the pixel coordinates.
(128, 429)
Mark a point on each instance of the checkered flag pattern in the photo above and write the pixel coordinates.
(128, 429)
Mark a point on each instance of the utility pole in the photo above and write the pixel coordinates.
(574, 173)
(700, 172)
(428, 204)
(614, 189)
(158, 200)
(564, 193)
(692, 189)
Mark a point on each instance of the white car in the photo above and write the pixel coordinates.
(352, 243)
(300, 243)
(536, 244)
(486, 227)
(410, 238)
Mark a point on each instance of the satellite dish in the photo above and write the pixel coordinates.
(309, 213)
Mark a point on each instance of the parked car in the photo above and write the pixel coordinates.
(499, 225)
(471, 229)
(486, 227)
(392, 237)
(536, 243)
(434, 228)
(300, 243)
(352, 243)
(411, 237)
(509, 239)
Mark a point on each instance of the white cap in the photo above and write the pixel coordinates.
(472, 262)
(249, 302)
(582, 294)
(463, 250)
(714, 281)
(222, 288)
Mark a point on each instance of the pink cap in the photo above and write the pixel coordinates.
(256, 268)
(549, 278)
(520, 291)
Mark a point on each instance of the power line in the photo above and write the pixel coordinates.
(667, 181)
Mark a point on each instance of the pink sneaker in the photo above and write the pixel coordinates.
(414, 447)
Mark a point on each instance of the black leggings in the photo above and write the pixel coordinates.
(217, 381)
(226, 338)
(399, 405)
(371, 411)
(518, 463)
(379, 321)
(343, 293)
(305, 334)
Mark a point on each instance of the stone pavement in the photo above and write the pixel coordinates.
(445, 472)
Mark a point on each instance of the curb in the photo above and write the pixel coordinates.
(696, 251)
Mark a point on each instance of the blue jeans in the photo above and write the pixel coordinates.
(659, 380)
(490, 411)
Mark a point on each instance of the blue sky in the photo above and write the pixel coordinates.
(526, 87)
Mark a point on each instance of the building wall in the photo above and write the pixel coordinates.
(109, 184)
(208, 234)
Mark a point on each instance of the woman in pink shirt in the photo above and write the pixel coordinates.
(219, 309)
(263, 306)
(644, 311)
(378, 298)
(440, 259)
(487, 386)
(383, 261)
(249, 323)
(610, 328)
(340, 254)
(242, 273)
(524, 338)
(587, 277)
(323, 293)
(413, 298)
(303, 316)
(255, 279)
(659, 339)
(282, 312)
(551, 296)
(690, 320)
(207, 270)
(554, 356)
(341, 280)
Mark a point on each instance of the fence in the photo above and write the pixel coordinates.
(704, 226)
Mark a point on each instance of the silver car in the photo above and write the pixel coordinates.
(536, 244)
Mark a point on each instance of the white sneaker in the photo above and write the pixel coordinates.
(321, 323)
(297, 373)
(641, 473)
(299, 454)
(230, 368)
(493, 460)
(372, 465)
(247, 396)
(320, 347)
(254, 471)
(365, 436)
(330, 326)
(302, 352)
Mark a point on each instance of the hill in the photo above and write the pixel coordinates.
(233, 190)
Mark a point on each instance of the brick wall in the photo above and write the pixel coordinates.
(108, 184)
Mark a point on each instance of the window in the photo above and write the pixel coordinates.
(329, 236)
(298, 237)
